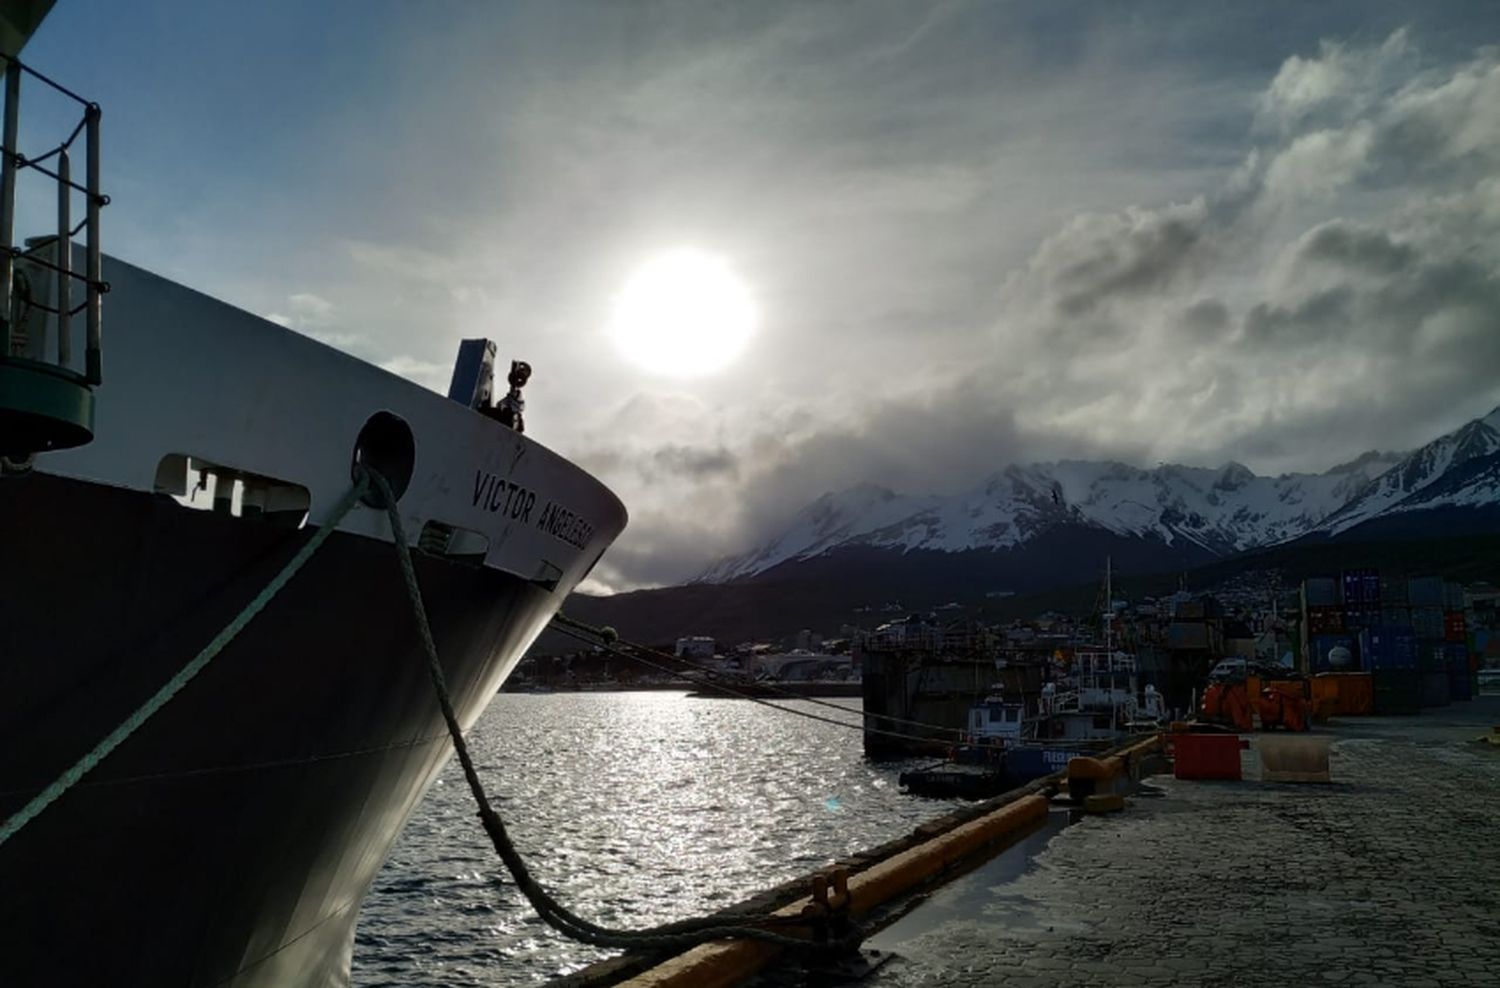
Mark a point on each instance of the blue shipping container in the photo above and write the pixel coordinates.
(1361, 586)
(1320, 591)
(1425, 591)
(1437, 689)
(1430, 656)
(1453, 597)
(1456, 657)
(1427, 622)
(1322, 645)
(1388, 647)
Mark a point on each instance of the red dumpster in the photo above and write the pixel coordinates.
(1207, 756)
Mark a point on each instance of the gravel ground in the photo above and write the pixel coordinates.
(1389, 876)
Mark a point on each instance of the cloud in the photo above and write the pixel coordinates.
(1319, 163)
(975, 233)
(1341, 274)
(1099, 256)
(315, 316)
(310, 307)
(426, 373)
(1340, 81)
(1356, 247)
(1369, 313)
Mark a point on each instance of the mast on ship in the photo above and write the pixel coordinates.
(1109, 606)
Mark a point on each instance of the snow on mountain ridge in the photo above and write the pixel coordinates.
(831, 520)
(1418, 471)
(1224, 510)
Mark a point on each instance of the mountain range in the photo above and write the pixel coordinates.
(1032, 538)
(1177, 514)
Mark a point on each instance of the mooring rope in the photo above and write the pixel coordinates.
(676, 935)
(185, 675)
(605, 636)
(599, 638)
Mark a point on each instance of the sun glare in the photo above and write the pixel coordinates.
(683, 314)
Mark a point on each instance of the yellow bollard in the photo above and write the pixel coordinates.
(1112, 803)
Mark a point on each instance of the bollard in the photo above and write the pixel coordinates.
(1111, 803)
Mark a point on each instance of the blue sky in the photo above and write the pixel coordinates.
(975, 233)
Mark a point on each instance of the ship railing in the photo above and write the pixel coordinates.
(37, 379)
(59, 245)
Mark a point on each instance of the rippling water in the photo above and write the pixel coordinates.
(633, 808)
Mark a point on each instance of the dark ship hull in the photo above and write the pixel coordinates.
(232, 839)
(153, 486)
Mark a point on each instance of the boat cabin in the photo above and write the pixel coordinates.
(993, 720)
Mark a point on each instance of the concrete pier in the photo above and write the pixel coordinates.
(1390, 875)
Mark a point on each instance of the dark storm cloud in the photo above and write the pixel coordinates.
(1358, 247)
(1206, 319)
(670, 463)
(1324, 316)
(1143, 253)
(690, 463)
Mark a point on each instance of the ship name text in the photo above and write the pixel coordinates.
(503, 497)
(510, 499)
(561, 523)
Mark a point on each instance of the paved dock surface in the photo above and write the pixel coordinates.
(1388, 876)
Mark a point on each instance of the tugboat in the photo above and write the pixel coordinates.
(1096, 708)
(1091, 705)
(1004, 747)
(149, 490)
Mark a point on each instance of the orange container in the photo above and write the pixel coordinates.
(1344, 694)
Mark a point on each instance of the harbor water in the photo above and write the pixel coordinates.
(633, 808)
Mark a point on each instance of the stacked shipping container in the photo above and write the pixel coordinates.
(1391, 654)
(1410, 634)
(1460, 676)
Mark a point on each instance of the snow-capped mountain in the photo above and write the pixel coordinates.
(1220, 511)
(831, 520)
(1418, 481)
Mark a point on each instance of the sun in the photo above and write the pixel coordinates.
(683, 313)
